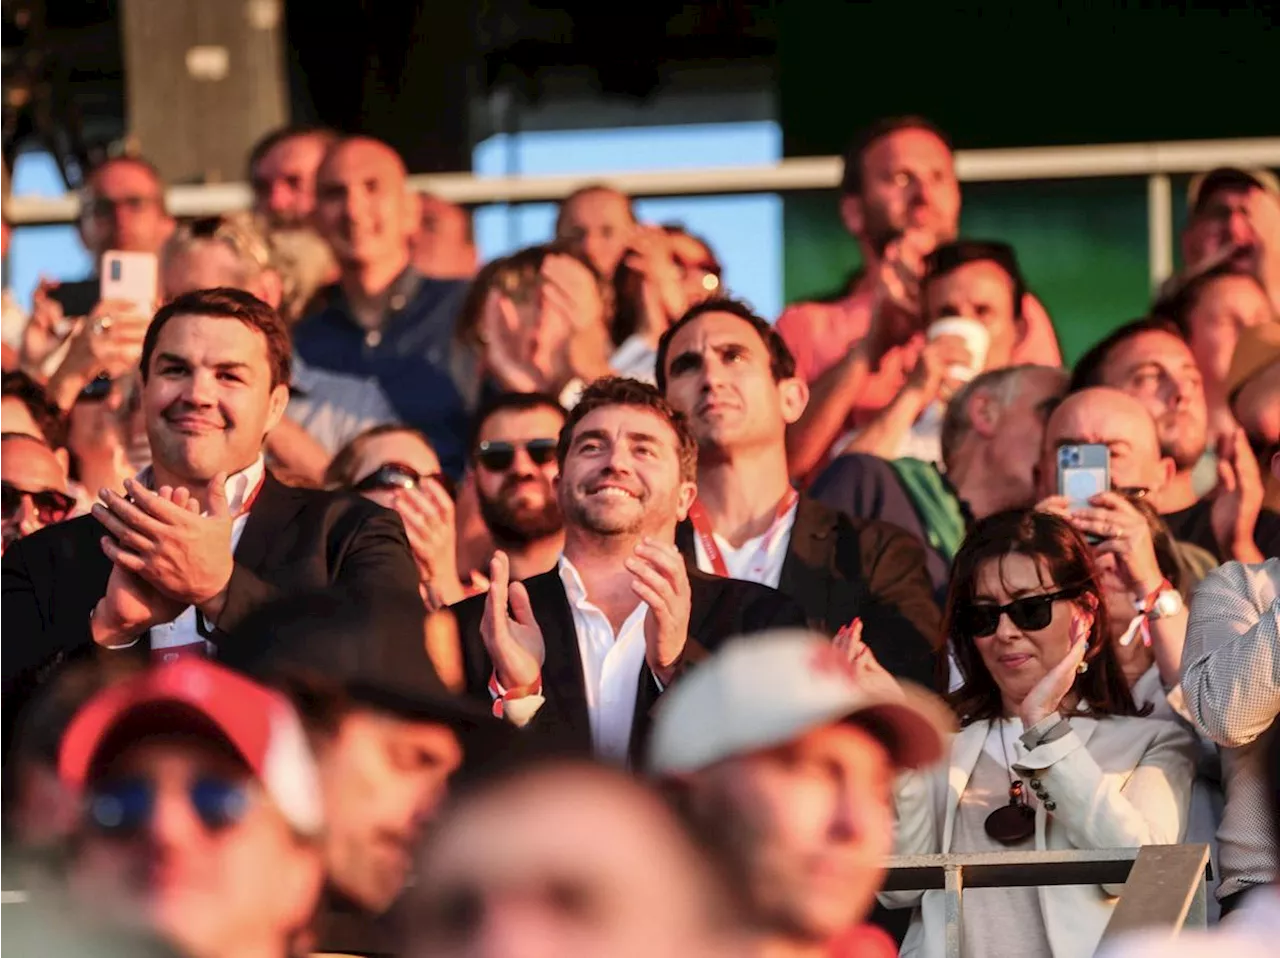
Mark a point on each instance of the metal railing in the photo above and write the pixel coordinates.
(1156, 161)
(1164, 885)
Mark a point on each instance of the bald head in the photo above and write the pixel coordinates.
(519, 860)
(364, 208)
(1114, 419)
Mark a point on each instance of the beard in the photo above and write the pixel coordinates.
(520, 525)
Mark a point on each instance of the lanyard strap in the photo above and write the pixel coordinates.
(706, 535)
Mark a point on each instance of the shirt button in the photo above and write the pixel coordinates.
(372, 338)
(1050, 806)
(397, 302)
(1035, 783)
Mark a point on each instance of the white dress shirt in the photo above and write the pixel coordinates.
(756, 560)
(183, 630)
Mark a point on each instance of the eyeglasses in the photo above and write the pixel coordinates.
(1031, 612)
(396, 475)
(498, 456)
(125, 806)
(51, 505)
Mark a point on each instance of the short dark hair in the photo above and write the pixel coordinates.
(1178, 304)
(1088, 371)
(510, 402)
(1069, 563)
(283, 134)
(781, 363)
(851, 179)
(51, 419)
(951, 256)
(619, 391)
(223, 302)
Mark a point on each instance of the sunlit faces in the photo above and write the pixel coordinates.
(243, 887)
(562, 862)
(908, 182)
(519, 503)
(1241, 219)
(813, 821)
(442, 247)
(599, 223)
(406, 448)
(1019, 658)
(363, 207)
(622, 474)
(978, 290)
(1158, 370)
(1225, 306)
(208, 398)
(383, 778)
(1113, 419)
(284, 180)
(206, 264)
(1257, 405)
(124, 209)
(1024, 416)
(719, 374)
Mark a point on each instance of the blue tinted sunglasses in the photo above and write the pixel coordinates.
(125, 806)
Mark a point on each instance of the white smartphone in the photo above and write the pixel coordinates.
(132, 277)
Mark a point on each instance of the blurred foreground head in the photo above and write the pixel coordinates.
(565, 860)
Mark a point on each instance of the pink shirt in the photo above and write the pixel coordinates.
(820, 334)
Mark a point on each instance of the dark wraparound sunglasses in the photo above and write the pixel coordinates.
(396, 475)
(498, 456)
(125, 806)
(1031, 612)
(51, 506)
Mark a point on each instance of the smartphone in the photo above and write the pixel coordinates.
(1084, 470)
(132, 277)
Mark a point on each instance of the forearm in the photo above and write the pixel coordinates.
(884, 435)
(831, 398)
(65, 385)
(1168, 636)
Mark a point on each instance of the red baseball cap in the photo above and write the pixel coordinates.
(258, 723)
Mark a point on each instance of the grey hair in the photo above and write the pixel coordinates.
(1001, 384)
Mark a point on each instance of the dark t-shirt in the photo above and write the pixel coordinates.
(1195, 525)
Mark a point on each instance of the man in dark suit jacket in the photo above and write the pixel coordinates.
(207, 535)
(730, 373)
(581, 653)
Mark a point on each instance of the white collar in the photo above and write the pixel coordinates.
(240, 486)
(574, 590)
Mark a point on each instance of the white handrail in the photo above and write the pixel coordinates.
(798, 173)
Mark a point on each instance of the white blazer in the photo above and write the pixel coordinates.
(1116, 782)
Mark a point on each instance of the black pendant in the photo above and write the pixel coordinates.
(1012, 823)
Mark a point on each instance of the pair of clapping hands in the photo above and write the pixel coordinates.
(166, 555)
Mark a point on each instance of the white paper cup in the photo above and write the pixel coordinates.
(976, 339)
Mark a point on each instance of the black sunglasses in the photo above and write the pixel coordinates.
(1031, 612)
(396, 475)
(498, 456)
(51, 505)
(125, 806)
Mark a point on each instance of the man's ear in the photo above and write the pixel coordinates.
(270, 288)
(684, 499)
(793, 397)
(64, 460)
(984, 413)
(852, 214)
(1168, 469)
(275, 410)
(412, 211)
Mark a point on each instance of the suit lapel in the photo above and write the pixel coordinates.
(806, 569)
(562, 676)
(275, 508)
(966, 747)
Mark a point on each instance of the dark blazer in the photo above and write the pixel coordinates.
(721, 609)
(293, 540)
(838, 568)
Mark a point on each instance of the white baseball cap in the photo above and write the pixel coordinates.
(768, 689)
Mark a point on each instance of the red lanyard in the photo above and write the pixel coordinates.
(706, 535)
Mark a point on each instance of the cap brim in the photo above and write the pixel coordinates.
(914, 728)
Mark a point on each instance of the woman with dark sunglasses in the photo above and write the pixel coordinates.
(1052, 754)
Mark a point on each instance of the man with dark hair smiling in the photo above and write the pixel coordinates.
(580, 653)
(733, 377)
(206, 534)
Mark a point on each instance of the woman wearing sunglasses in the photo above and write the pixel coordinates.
(1052, 753)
